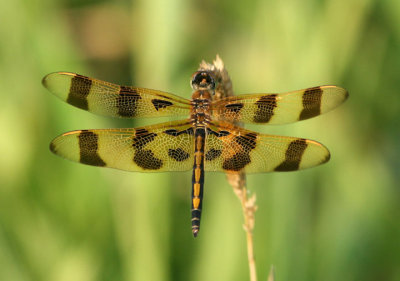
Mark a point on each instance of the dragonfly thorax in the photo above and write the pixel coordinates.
(200, 111)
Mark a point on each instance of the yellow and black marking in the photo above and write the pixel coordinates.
(159, 104)
(206, 141)
(241, 158)
(175, 133)
(234, 107)
(127, 102)
(146, 149)
(142, 137)
(79, 91)
(198, 179)
(178, 154)
(88, 148)
(293, 156)
(265, 108)
(213, 154)
(312, 99)
(278, 108)
(109, 99)
(145, 158)
(251, 152)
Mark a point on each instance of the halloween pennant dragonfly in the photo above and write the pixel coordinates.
(207, 141)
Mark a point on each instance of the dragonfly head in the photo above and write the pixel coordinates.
(202, 80)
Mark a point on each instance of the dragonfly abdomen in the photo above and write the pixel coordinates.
(198, 179)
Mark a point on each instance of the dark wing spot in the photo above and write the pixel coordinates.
(237, 162)
(311, 103)
(178, 154)
(173, 132)
(212, 154)
(79, 91)
(293, 156)
(146, 160)
(218, 134)
(234, 107)
(127, 102)
(252, 136)
(160, 103)
(248, 141)
(223, 133)
(265, 108)
(142, 137)
(88, 149)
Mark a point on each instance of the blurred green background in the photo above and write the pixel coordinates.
(65, 221)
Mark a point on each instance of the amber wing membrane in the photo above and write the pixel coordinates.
(279, 108)
(232, 149)
(113, 100)
(159, 148)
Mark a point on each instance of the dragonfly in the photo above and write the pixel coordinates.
(209, 139)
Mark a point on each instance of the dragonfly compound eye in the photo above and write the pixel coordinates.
(203, 80)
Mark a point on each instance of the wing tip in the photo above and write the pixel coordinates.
(327, 158)
(325, 155)
(346, 94)
(47, 78)
(52, 147)
(343, 92)
(318, 148)
(340, 90)
(53, 144)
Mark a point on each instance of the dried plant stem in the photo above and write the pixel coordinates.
(238, 183)
(249, 236)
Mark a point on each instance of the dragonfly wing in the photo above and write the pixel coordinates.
(279, 108)
(232, 149)
(159, 148)
(113, 100)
